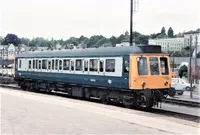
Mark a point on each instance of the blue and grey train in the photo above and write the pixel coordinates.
(135, 75)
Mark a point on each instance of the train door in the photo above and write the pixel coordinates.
(101, 63)
(72, 64)
(25, 65)
(86, 66)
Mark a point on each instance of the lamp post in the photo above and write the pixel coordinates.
(196, 59)
(131, 23)
(190, 63)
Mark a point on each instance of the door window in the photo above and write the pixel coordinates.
(154, 68)
(142, 66)
(164, 66)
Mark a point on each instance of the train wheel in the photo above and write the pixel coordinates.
(145, 102)
(23, 88)
(129, 102)
(48, 89)
(171, 92)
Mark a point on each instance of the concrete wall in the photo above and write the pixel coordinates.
(179, 60)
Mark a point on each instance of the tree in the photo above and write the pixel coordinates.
(152, 36)
(102, 41)
(72, 40)
(83, 40)
(163, 31)
(113, 40)
(40, 42)
(143, 39)
(170, 32)
(95, 41)
(11, 39)
(25, 41)
(120, 38)
(127, 34)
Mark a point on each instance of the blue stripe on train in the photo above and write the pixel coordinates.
(103, 81)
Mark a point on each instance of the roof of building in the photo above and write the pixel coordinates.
(22, 46)
(167, 39)
(103, 51)
(193, 31)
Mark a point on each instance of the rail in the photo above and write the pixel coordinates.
(181, 102)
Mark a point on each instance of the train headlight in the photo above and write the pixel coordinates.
(166, 83)
(143, 84)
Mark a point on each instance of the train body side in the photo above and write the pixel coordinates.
(117, 79)
(122, 78)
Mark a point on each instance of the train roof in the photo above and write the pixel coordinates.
(103, 51)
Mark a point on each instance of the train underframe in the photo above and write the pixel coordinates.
(146, 98)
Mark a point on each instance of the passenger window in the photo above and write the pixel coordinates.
(66, 65)
(142, 66)
(93, 65)
(29, 64)
(79, 65)
(126, 66)
(49, 64)
(36, 66)
(40, 64)
(72, 65)
(101, 65)
(20, 63)
(86, 65)
(33, 64)
(44, 64)
(60, 64)
(56, 65)
(52, 66)
(154, 68)
(164, 66)
(110, 65)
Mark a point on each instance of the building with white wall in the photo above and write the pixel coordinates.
(126, 42)
(10, 51)
(194, 35)
(168, 44)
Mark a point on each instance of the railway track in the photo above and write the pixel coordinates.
(181, 102)
(154, 110)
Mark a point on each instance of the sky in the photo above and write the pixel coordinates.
(67, 18)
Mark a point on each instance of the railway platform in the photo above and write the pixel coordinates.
(58, 115)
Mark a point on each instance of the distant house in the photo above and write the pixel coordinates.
(168, 44)
(194, 35)
(69, 46)
(3, 51)
(126, 42)
(83, 46)
(10, 51)
(41, 48)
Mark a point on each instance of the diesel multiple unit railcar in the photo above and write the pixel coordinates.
(135, 75)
